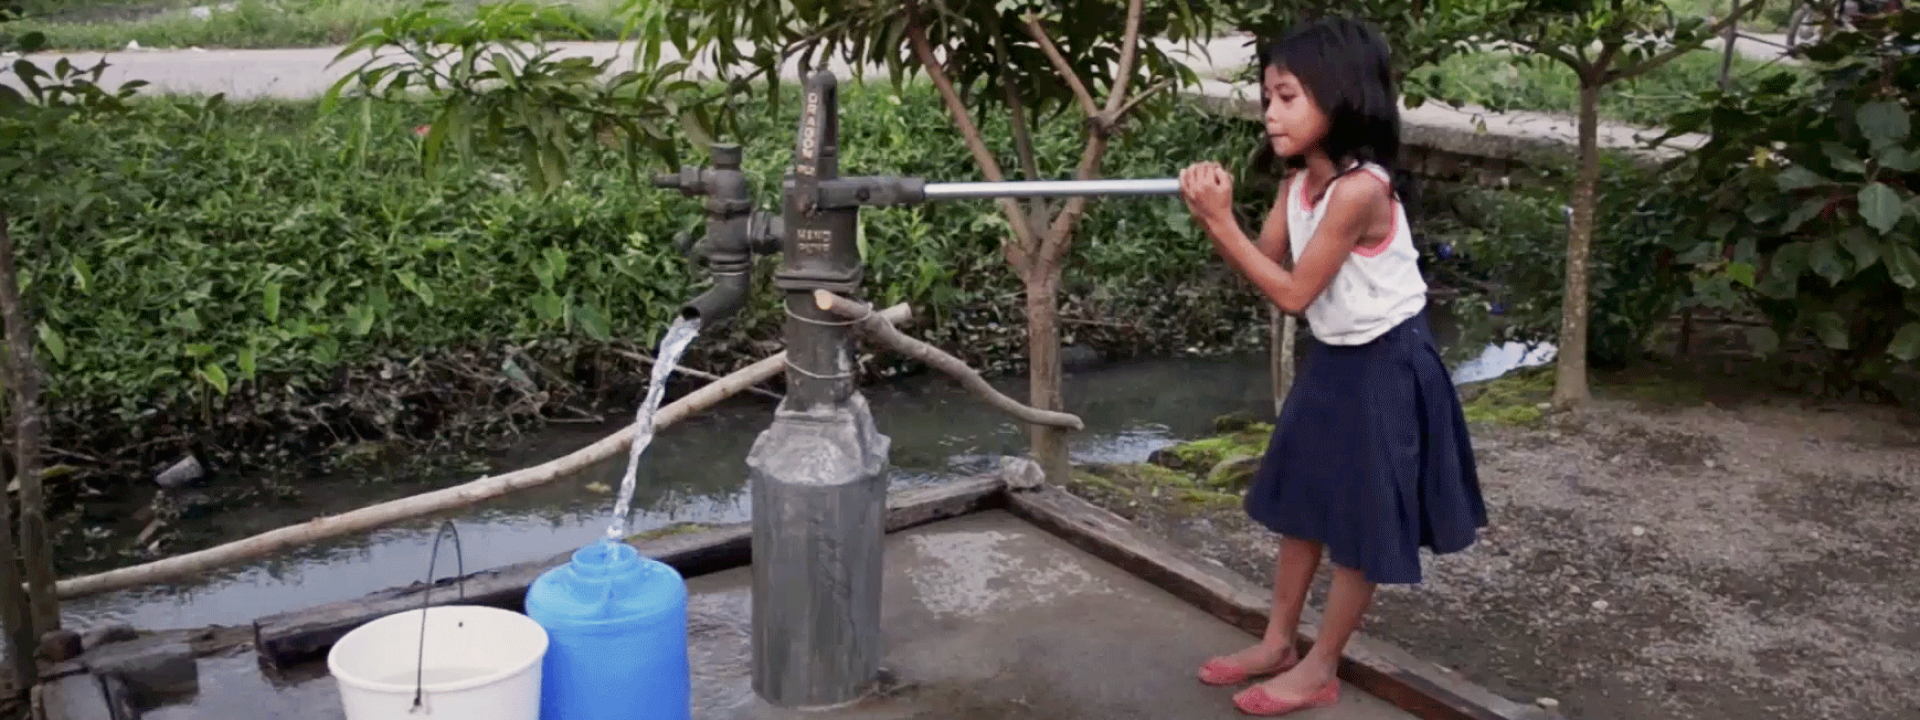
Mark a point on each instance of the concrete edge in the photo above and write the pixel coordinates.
(1382, 669)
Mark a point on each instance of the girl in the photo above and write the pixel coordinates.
(1370, 459)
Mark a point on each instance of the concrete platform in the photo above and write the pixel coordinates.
(988, 618)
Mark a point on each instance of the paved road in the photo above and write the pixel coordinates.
(307, 72)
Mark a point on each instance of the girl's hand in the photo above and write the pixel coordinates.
(1208, 190)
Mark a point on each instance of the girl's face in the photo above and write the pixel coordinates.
(1295, 125)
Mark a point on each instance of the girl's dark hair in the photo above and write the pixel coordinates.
(1346, 66)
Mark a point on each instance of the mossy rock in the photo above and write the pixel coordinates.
(1233, 473)
(1118, 475)
(1516, 398)
(1234, 422)
(1199, 457)
(1148, 483)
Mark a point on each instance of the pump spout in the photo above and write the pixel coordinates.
(735, 233)
(721, 301)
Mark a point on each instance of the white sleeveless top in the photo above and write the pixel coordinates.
(1377, 288)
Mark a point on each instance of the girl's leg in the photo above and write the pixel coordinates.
(1347, 602)
(1292, 574)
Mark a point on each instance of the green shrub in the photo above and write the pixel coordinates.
(234, 275)
(1511, 247)
(1805, 198)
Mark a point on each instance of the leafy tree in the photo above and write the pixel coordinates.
(1027, 62)
(1604, 43)
(1807, 202)
(32, 124)
(497, 85)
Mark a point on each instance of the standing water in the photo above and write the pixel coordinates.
(672, 345)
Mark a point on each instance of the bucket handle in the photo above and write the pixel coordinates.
(459, 582)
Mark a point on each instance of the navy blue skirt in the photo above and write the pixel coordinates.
(1370, 457)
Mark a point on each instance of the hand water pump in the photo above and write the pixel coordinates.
(817, 473)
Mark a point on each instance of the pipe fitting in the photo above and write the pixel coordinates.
(722, 301)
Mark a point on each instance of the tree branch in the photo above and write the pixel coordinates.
(1668, 55)
(1597, 73)
(1129, 54)
(1060, 65)
(1577, 63)
(1054, 244)
(875, 326)
(1017, 108)
(1018, 253)
(1135, 101)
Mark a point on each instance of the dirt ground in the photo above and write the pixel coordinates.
(1665, 553)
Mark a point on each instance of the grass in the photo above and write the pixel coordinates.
(1504, 80)
(1771, 17)
(112, 24)
(1516, 398)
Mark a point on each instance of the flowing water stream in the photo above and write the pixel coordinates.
(673, 344)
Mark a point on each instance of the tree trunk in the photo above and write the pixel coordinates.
(1043, 368)
(1570, 379)
(13, 606)
(24, 378)
(1733, 37)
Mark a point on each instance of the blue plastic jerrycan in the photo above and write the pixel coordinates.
(617, 628)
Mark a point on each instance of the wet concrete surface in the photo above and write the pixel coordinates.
(987, 618)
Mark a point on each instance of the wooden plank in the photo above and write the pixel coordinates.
(1418, 687)
(302, 635)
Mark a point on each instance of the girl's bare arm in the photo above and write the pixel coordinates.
(1354, 210)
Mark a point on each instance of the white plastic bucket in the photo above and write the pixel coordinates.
(478, 663)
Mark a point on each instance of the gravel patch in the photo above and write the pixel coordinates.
(1708, 563)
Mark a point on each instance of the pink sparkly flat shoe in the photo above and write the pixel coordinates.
(1256, 701)
(1220, 672)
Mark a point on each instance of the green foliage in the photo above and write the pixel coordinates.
(989, 46)
(492, 77)
(246, 272)
(1423, 33)
(1513, 242)
(1807, 201)
(1616, 40)
(112, 24)
(1505, 82)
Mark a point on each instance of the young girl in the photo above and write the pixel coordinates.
(1370, 459)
